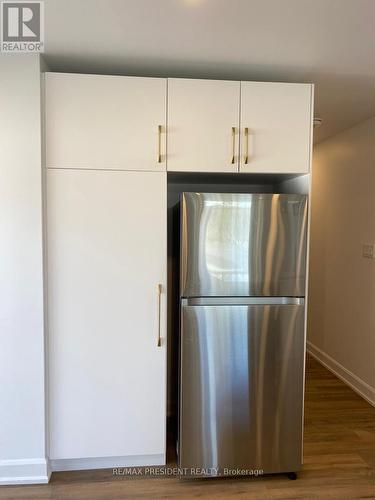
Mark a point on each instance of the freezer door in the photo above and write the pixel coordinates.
(241, 387)
(243, 244)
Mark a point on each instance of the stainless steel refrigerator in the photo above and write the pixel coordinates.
(242, 345)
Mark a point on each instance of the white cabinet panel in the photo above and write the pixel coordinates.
(106, 255)
(105, 122)
(201, 115)
(278, 118)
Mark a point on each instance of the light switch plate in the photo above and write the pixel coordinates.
(368, 251)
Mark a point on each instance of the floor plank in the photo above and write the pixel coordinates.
(339, 461)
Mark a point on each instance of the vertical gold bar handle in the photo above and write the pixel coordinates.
(246, 160)
(159, 289)
(160, 130)
(233, 144)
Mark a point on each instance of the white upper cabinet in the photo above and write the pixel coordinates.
(121, 123)
(203, 121)
(276, 121)
(105, 122)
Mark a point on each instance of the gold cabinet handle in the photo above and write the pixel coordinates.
(246, 132)
(159, 289)
(233, 144)
(160, 130)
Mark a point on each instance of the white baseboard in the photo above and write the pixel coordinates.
(358, 385)
(24, 471)
(64, 464)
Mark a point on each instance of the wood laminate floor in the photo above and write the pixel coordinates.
(339, 460)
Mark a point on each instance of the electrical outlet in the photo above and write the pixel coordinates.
(368, 251)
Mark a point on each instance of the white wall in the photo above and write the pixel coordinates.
(341, 328)
(22, 362)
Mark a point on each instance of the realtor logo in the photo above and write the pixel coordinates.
(22, 26)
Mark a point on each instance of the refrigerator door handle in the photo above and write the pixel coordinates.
(237, 301)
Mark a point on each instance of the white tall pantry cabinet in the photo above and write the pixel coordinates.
(107, 371)
(107, 259)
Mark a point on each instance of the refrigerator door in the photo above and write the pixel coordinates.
(243, 244)
(241, 391)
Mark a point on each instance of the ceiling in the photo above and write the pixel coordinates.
(328, 42)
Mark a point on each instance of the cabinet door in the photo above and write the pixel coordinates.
(105, 122)
(275, 127)
(106, 257)
(203, 121)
